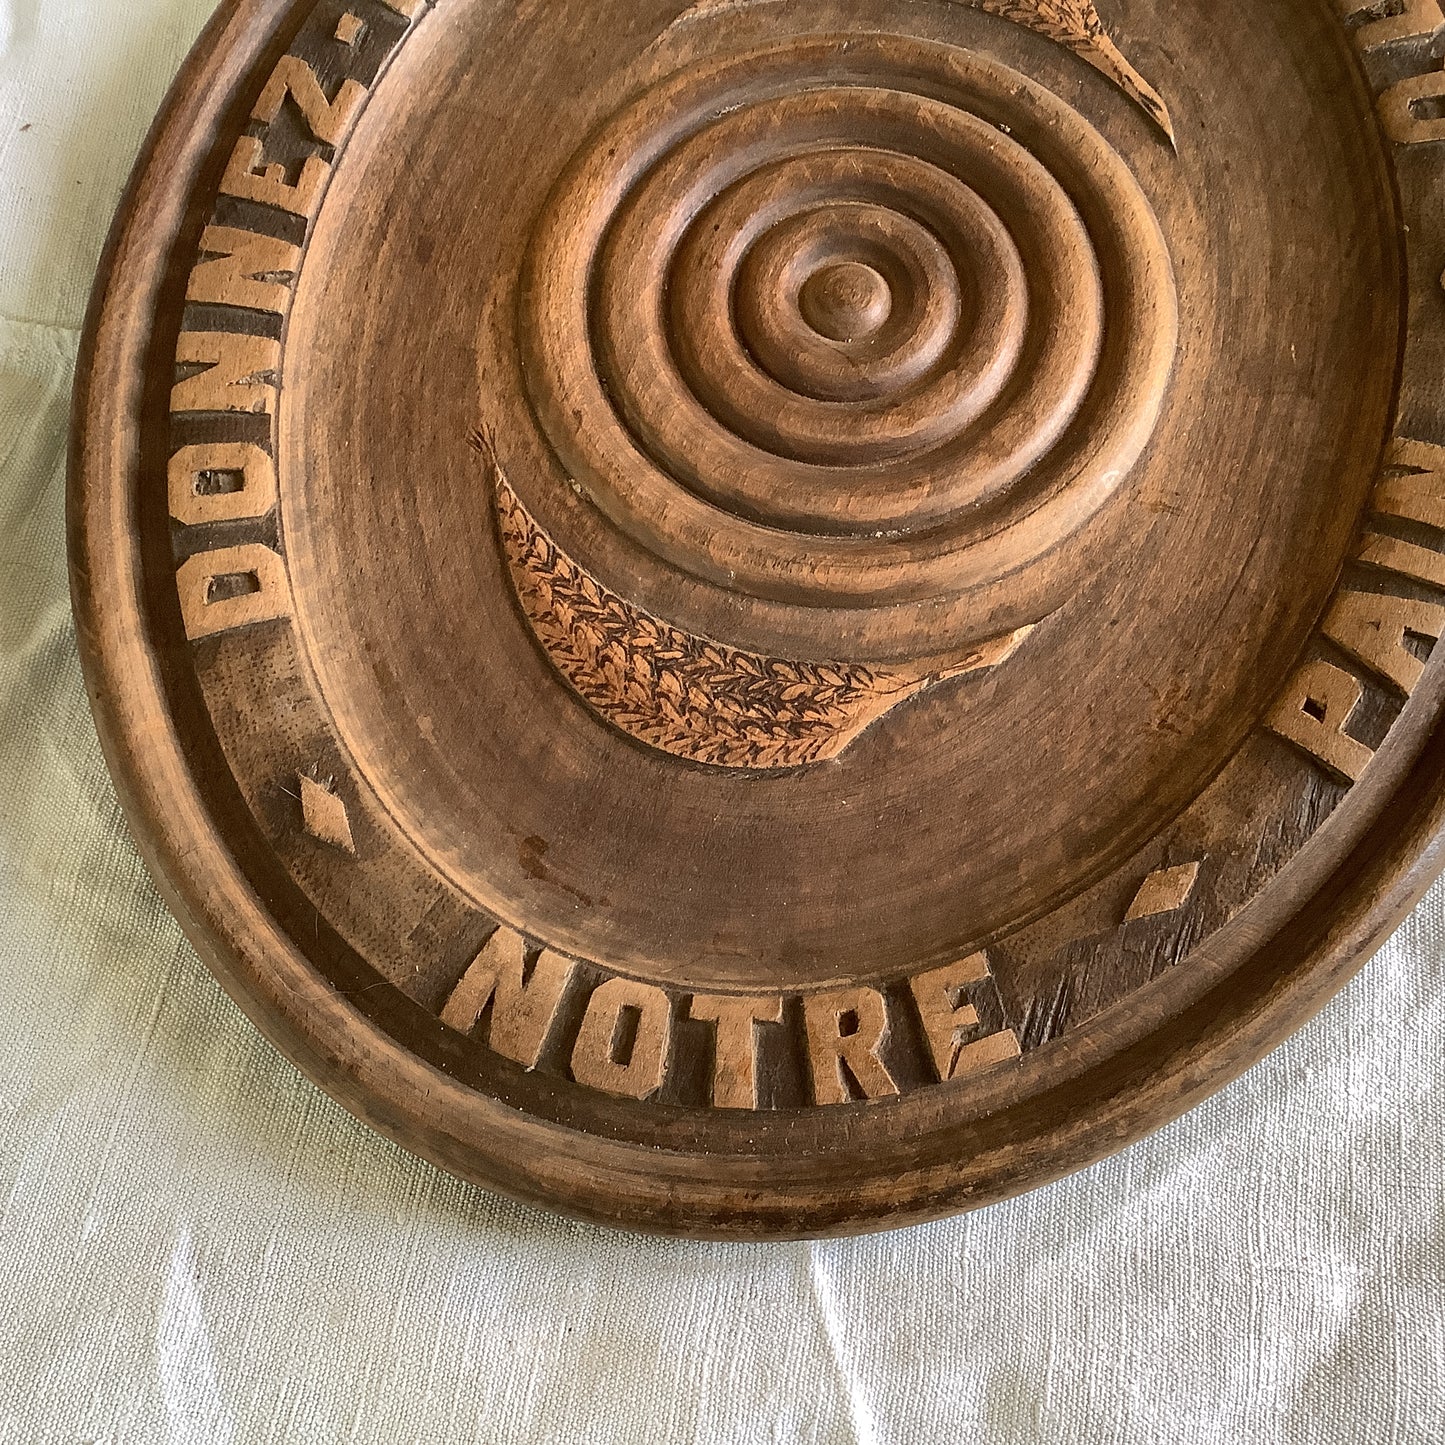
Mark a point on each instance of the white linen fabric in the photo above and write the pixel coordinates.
(197, 1246)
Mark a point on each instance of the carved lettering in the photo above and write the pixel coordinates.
(248, 178)
(523, 1003)
(942, 1010)
(1415, 489)
(947, 1018)
(239, 372)
(232, 587)
(1373, 628)
(328, 120)
(220, 482)
(242, 270)
(1403, 113)
(776, 712)
(1390, 20)
(1407, 559)
(624, 1040)
(1318, 703)
(735, 1072)
(845, 1032)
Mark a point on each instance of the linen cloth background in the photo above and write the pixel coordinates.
(197, 1246)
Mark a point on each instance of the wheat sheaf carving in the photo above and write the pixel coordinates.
(1076, 24)
(1072, 23)
(691, 696)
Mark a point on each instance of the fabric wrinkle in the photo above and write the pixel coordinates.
(861, 1418)
(185, 1361)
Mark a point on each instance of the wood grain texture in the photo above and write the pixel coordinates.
(771, 619)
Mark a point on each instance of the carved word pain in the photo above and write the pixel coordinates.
(1374, 629)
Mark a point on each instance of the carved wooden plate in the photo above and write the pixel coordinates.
(777, 616)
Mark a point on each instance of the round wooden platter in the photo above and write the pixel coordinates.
(777, 617)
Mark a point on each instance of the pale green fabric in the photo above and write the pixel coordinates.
(197, 1246)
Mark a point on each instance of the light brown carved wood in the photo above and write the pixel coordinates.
(324, 814)
(948, 1020)
(845, 1030)
(692, 696)
(764, 619)
(623, 1042)
(1076, 23)
(198, 475)
(524, 1000)
(735, 1067)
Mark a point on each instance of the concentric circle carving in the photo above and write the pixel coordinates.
(861, 319)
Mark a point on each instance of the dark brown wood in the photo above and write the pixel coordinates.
(776, 617)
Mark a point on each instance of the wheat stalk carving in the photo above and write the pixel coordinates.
(1076, 24)
(688, 695)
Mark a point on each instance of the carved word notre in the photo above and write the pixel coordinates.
(625, 1042)
(625, 1037)
(845, 1034)
(1372, 629)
